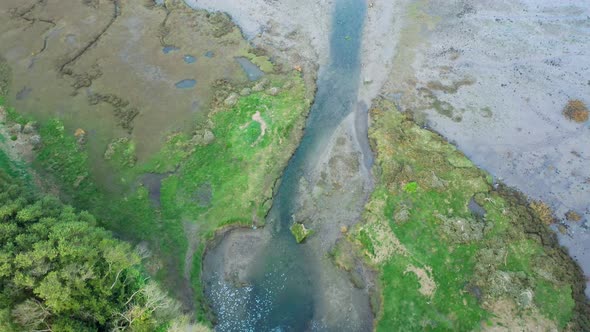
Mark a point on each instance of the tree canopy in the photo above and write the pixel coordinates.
(59, 271)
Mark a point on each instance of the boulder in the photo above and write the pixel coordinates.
(35, 141)
(30, 128)
(232, 99)
(16, 129)
(260, 85)
(273, 91)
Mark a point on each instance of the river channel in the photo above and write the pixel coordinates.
(262, 280)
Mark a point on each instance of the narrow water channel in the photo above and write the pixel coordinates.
(274, 288)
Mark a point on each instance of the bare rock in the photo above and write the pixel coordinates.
(231, 100)
(273, 91)
(35, 141)
(260, 85)
(30, 128)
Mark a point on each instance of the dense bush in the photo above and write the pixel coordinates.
(60, 272)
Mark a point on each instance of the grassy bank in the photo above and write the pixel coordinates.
(223, 173)
(60, 271)
(452, 251)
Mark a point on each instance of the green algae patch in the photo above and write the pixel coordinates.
(555, 302)
(439, 266)
(300, 232)
(411, 187)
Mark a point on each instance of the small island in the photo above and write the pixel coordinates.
(300, 232)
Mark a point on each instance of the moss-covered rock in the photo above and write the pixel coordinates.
(300, 232)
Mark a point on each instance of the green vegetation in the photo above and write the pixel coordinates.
(60, 272)
(121, 153)
(411, 187)
(441, 267)
(65, 160)
(300, 232)
(222, 174)
(231, 179)
(5, 75)
(261, 60)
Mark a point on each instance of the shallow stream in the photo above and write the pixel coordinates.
(271, 284)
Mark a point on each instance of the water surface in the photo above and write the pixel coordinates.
(185, 84)
(252, 71)
(169, 49)
(189, 59)
(281, 291)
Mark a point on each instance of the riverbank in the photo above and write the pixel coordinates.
(153, 123)
(452, 249)
(295, 286)
(494, 80)
(173, 125)
(433, 60)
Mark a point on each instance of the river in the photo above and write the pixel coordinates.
(277, 288)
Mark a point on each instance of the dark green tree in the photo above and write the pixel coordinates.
(59, 271)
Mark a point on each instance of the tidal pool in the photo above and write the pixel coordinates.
(185, 84)
(189, 59)
(252, 71)
(168, 49)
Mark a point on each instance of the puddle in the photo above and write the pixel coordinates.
(185, 84)
(252, 71)
(23, 93)
(189, 59)
(477, 210)
(168, 49)
(153, 183)
(203, 195)
(209, 54)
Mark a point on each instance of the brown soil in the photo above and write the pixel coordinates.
(507, 317)
(577, 111)
(573, 216)
(543, 211)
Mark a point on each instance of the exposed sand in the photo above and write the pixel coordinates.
(298, 31)
(294, 31)
(500, 74)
